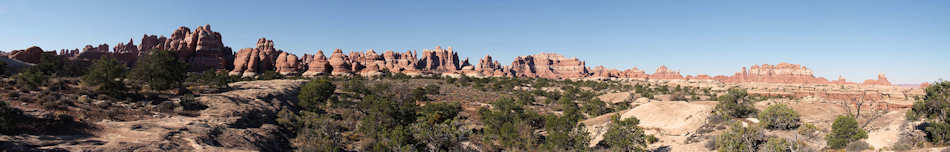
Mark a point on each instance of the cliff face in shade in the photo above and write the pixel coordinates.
(28, 55)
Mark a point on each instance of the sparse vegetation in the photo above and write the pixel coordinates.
(935, 108)
(508, 125)
(314, 94)
(30, 79)
(844, 130)
(739, 138)
(625, 135)
(209, 78)
(734, 104)
(779, 116)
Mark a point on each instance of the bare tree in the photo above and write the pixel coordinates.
(860, 102)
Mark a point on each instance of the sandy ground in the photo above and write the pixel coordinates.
(616, 97)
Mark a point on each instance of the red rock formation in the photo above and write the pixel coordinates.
(440, 60)
(340, 63)
(634, 73)
(881, 80)
(699, 77)
(664, 73)
(250, 61)
(126, 53)
(548, 65)
(202, 48)
(841, 80)
(69, 53)
(91, 53)
(488, 67)
(780, 73)
(318, 66)
(28, 55)
(286, 63)
(371, 64)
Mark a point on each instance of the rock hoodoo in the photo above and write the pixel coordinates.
(318, 65)
(251, 61)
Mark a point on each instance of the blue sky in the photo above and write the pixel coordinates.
(907, 40)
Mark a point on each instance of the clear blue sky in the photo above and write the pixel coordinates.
(907, 40)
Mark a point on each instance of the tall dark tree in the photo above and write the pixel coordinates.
(106, 76)
(161, 70)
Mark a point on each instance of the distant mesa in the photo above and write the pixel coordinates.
(203, 49)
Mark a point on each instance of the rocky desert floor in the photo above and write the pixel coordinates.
(242, 118)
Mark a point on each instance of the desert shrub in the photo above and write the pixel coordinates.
(775, 144)
(625, 135)
(355, 85)
(779, 116)
(734, 104)
(166, 107)
(210, 78)
(809, 130)
(446, 136)
(935, 108)
(3, 68)
(595, 108)
(564, 134)
(314, 94)
(509, 124)
(438, 128)
(419, 94)
(50, 65)
(161, 70)
(188, 102)
(938, 132)
(935, 103)
(439, 112)
(739, 138)
(105, 75)
(30, 79)
(844, 130)
(387, 121)
(315, 132)
(858, 146)
(9, 117)
(269, 75)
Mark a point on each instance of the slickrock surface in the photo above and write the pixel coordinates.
(235, 121)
